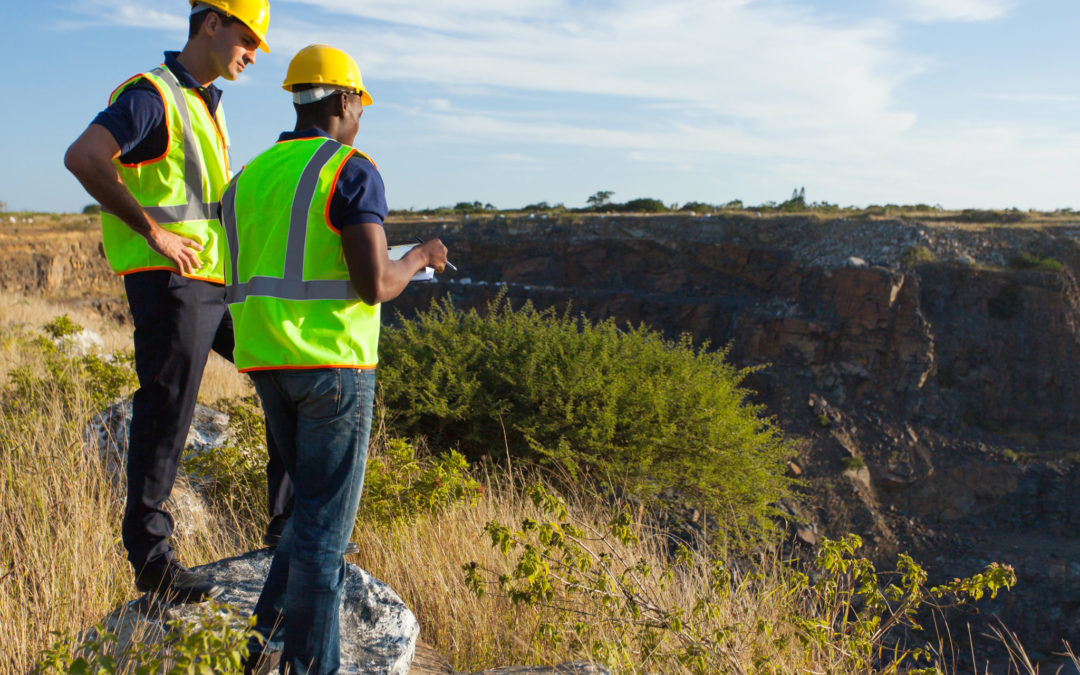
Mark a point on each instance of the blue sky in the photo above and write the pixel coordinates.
(963, 103)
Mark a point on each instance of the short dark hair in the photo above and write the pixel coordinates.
(196, 20)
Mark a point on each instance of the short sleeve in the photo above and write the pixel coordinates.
(136, 119)
(359, 196)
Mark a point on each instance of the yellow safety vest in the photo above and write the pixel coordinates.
(287, 284)
(180, 189)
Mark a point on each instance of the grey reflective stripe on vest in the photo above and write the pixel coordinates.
(291, 286)
(195, 208)
(228, 222)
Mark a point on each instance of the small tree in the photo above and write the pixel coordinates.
(600, 199)
(645, 205)
(91, 209)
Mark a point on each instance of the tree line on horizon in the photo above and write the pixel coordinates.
(600, 202)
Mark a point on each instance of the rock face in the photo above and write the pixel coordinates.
(911, 350)
(947, 377)
(378, 632)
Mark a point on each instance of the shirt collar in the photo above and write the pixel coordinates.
(311, 132)
(210, 93)
(184, 77)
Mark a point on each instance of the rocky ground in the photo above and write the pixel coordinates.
(932, 379)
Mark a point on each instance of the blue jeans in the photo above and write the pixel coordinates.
(321, 422)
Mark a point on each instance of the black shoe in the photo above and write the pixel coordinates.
(175, 583)
(262, 663)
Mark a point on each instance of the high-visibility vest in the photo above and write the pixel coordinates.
(286, 281)
(179, 189)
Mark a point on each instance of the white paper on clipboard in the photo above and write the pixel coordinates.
(398, 252)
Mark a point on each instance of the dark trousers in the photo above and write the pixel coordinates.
(177, 322)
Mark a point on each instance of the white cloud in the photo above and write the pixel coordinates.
(957, 10)
(776, 66)
(1033, 97)
(89, 13)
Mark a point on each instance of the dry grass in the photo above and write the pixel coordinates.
(27, 314)
(62, 564)
(63, 568)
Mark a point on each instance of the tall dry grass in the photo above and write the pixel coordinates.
(62, 565)
(29, 313)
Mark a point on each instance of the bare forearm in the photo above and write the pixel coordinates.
(90, 159)
(103, 184)
(397, 273)
(375, 277)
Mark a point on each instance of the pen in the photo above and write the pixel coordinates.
(448, 263)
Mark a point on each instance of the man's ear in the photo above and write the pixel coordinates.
(211, 23)
(341, 105)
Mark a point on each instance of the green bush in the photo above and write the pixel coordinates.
(1033, 261)
(853, 463)
(644, 205)
(917, 255)
(67, 378)
(625, 407)
(401, 485)
(217, 642)
(622, 612)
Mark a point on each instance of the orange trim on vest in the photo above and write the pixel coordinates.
(371, 366)
(333, 186)
(166, 268)
(168, 125)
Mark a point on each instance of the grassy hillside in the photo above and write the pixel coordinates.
(502, 563)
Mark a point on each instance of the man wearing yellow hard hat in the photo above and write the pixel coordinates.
(157, 159)
(306, 269)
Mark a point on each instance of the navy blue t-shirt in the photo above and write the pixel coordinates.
(359, 196)
(137, 118)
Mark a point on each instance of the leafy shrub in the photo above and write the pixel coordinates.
(401, 485)
(644, 205)
(1033, 261)
(917, 255)
(853, 463)
(590, 400)
(66, 377)
(217, 642)
(621, 611)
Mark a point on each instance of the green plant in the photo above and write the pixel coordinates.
(66, 377)
(623, 612)
(852, 463)
(216, 642)
(599, 199)
(917, 255)
(1033, 261)
(823, 421)
(401, 485)
(592, 402)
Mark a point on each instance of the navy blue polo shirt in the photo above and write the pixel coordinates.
(359, 196)
(137, 118)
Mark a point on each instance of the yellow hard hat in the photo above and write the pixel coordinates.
(323, 64)
(255, 14)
